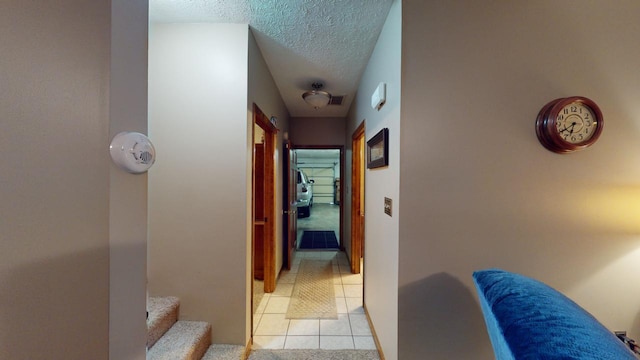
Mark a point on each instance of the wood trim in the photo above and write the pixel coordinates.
(357, 230)
(261, 120)
(270, 215)
(247, 349)
(290, 223)
(342, 169)
(373, 333)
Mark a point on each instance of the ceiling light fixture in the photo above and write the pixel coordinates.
(316, 97)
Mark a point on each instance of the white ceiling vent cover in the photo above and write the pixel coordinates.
(336, 100)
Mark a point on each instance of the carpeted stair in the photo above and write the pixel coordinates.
(171, 339)
(163, 313)
(224, 352)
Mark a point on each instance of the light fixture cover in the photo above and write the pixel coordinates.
(316, 98)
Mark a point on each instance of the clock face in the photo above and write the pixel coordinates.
(576, 123)
(569, 124)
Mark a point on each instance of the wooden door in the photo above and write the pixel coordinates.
(290, 212)
(259, 212)
(263, 195)
(357, 198)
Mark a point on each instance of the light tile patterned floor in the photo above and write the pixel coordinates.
(350, 331)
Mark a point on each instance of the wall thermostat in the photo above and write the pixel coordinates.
(133, 152)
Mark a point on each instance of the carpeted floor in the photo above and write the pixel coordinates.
(313, 295)
(319, 239)
(314, 355)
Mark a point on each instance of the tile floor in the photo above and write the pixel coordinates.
(350, 331)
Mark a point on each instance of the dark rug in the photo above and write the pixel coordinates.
(319, 240)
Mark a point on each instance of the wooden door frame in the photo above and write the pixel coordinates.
(331, 147)
(357, 233)
(260, 119)
(289, 233)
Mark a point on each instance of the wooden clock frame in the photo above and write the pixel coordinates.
(546, 125)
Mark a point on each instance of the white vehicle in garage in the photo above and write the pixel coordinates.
(305, 194)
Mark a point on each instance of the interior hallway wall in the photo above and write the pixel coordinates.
(128, 192)
(198, 212)
(381, 230)
(317, 131)
(476, 187)
(263, 91)
(60, 62)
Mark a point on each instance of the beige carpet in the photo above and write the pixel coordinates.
(313, 294)
(314, 355)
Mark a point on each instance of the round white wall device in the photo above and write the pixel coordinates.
(132, 152)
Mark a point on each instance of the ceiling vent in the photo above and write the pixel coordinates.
(336, 100)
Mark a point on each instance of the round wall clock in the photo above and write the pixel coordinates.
(569, 124)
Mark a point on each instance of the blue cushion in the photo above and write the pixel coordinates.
(527, 319)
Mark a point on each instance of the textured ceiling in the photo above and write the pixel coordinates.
(302, 41)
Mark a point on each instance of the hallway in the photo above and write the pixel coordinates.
(350, 331)
(323, 217)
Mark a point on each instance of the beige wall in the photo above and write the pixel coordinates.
(317, 131)
(55, 183)
(128, 195)
(381, 231)
(476, 187)
(263, 92)
(198, 212)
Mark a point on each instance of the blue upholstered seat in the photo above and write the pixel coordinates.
(527, 319)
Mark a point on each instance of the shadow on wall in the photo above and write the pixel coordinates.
(635, 325)
(439, 318)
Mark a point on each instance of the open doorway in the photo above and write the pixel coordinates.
(319, 198)
(321, 275)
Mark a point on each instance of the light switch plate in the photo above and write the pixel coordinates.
(387, 206)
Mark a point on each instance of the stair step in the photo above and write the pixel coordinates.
(186, 340)
(224, 352)
(163, 313)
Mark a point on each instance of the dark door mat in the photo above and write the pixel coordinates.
(319, 240)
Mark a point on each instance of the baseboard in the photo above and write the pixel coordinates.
(247, 349)
(373, 333)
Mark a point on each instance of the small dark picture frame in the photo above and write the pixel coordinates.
(378, 150)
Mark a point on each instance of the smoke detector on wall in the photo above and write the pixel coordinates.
(133, 152)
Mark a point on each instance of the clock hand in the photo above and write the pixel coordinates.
(567, 129)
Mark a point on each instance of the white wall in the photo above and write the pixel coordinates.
(128, 193)
(57, 185)
(476, 187)
(198, 212)
(263, 92)
(307, 131)
(381, 231)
